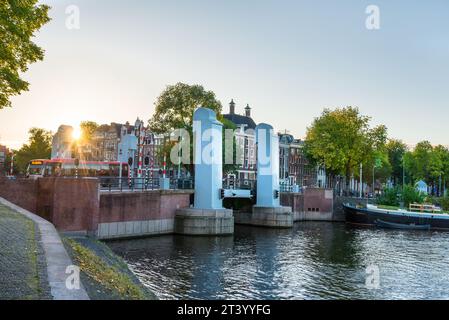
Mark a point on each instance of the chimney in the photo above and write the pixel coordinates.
(248, 111)
(232, 107)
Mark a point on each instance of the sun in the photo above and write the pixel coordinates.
(76, 134)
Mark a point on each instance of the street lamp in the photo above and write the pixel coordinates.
(12, 164)
(361, 180)
(403, 173)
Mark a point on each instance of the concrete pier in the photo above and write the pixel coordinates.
(193, 221)
(273, 217)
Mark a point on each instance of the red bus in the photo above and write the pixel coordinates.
(67, 168)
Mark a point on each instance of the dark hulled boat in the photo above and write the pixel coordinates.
(399, 219)
(392, 225)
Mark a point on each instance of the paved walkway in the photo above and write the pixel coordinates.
(22, 260)
(33, 260)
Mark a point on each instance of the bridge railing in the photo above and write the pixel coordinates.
(244, 184)
(125, 184)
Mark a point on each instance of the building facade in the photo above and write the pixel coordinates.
(4, 151)
(134, 144)
(245, 136)
(294, 167)
(62, 143)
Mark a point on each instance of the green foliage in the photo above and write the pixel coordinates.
(427, 163)
(341, 139)
(19, 20)
(396, 150)
(381, 164)
(174, 110)
(176, 104)
(38, 147)
(393, 196)
(87, 130)
(389, 197)
(228, 168)
(108, 276)
(444, 203)
(411, 195)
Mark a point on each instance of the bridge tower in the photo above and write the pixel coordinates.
(267, 212)
(207, 217)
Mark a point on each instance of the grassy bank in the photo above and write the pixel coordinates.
(104, 275)
(23, 273)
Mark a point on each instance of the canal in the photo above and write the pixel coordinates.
(310, 261)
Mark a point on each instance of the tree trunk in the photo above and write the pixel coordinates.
(347, 177)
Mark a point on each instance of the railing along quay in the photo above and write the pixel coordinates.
(110, 184)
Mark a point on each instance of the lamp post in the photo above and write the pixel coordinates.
(361, 180)
(120, 169)
(11, 171)
(179, 158)
(403, 173)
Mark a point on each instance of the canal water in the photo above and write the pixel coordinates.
(310, 261)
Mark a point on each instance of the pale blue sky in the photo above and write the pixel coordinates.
(287, 59)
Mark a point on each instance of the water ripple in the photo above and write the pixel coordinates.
(311, 261)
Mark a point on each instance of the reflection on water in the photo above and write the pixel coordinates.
(310, 261)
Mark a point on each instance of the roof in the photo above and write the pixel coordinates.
(238, 119)
(421, 183)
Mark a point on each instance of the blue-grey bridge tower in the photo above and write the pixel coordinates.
(207, 217)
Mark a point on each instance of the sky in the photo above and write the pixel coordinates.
(287, 59)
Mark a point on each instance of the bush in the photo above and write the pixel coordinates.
(411, 195)
(389, 197)
(444, 202)
(407, 195)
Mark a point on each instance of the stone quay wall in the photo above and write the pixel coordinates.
(313, 204)
(140, 213)
(21, 192)
(78, 206)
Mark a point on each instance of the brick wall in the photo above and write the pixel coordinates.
(21, 192)
(70, 204)
(146, 205)
(311, 204)
(293, 200)
(77, 205)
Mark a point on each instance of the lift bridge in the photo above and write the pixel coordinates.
(240, 188)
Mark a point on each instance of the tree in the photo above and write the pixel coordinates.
(7, 165)
(174, 110)
(176, 105)
(439, 167)
(87, 130)
(417, 162)
(38, 147)
(428, 163)
(341, 139)
(19, 20)
(396, 150)
(377, 164)
(168, 145)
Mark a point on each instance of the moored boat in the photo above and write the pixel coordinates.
(392, 225)
(371, 215)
